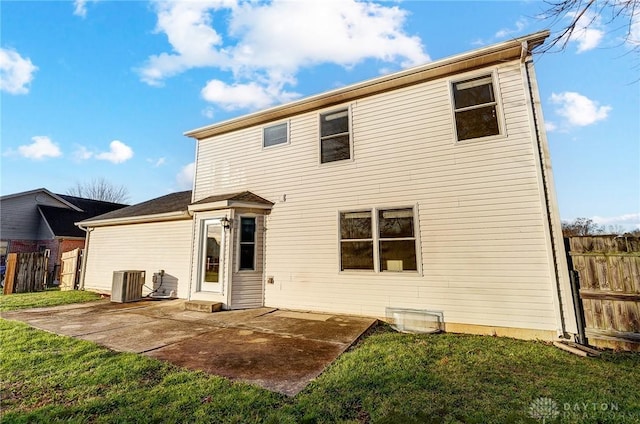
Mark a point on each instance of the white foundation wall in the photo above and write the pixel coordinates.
(482, 249)
(148, 247)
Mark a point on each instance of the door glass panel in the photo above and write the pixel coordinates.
(211, 258)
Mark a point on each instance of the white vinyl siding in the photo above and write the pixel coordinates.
(247, 286)
(481, 231)
(147, 246)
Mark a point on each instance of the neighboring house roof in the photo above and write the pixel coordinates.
(520, 47)
(58, 197)
(92, 207)
(62, 221)
(173, 205)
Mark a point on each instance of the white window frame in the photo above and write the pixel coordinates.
(502, 133)
(275, 124)
(255, 243)
(376, 240)
(320, 138)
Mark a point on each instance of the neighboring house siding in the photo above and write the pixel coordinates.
(247, 288)
(481, 222)
(20, 218)
(146, 246)
(23, 246)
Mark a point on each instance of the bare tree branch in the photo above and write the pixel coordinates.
(611, 11)
(99, 189)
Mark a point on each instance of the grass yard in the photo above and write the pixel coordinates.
(388, 378)
(46, 298)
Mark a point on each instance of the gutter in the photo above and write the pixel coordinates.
(83, 270)
(550, 204)
(167, 216)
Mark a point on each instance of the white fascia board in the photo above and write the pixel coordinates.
(227, 204)
(168, 216)
(210, 206)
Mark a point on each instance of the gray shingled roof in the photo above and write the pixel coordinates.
(174, 202)
(245, 196)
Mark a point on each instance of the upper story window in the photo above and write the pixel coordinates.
(275, 134)
(475, 108)
(335, 140)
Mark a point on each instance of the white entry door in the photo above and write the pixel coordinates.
(212, 256)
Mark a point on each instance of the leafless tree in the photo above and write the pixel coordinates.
(581, 227)
(582, 14)
(100, 189)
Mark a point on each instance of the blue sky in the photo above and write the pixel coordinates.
(105, 89)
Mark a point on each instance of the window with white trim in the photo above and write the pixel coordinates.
(382, 240)
(274, 135)
(335, 140)
(247, 255)
(475, 108)
(356, 240)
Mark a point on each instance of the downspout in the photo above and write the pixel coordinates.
(535, 109)
(85, 256)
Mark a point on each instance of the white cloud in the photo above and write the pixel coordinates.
(80, 8)
(82, 153)
(185, 176)
(188, 26)
(16, 72)
(579, 110)
(267, 44)
(118, 153)
(208, 112)
(519, 26)
(41, 148)
(157, 162)
(550, 126)
(625, 220)
(588, 31)
(244, 96)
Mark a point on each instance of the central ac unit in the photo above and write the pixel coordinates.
(127, 286)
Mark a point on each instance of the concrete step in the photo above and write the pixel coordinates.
(202, 306)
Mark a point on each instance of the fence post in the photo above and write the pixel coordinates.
(575, 292)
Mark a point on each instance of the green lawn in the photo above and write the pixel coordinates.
(46, 298)
(387, 378)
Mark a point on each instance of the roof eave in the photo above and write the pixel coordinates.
(227, 204)
(505, 51)
(160, 217)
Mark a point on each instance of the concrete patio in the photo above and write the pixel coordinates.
(278, 350)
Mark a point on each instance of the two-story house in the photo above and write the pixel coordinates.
(429, 189)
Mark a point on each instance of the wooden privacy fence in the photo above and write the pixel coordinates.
(26, 272)
(608, 269)
(71, 262)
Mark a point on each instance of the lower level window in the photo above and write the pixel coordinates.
(247, 243)
(382, 240)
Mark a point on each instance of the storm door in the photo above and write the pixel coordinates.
(212, 256)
